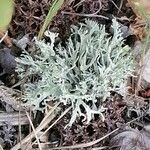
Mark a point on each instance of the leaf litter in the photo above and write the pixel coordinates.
(132, 139)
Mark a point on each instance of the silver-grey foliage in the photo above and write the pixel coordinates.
(90, 66)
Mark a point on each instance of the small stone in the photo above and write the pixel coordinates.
(7, 61)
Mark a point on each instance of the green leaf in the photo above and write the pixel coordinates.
(6, 12)
(56, 5)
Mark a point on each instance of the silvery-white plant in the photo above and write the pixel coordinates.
(90, 66)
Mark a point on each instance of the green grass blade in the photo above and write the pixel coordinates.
(56, 5)
(6, 12)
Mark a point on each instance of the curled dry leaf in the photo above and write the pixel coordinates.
(145, 93)
(140, 7)
(142, 10)
(7, 40)
(138, 28)
(132, 139)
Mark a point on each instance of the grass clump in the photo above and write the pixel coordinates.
(84, 72)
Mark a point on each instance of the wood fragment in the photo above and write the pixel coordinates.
(7, 40)
(13, 118)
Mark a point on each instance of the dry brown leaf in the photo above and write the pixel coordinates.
(145, 93)
(138, 28)
(7, 39)
(140, 7)
(142, 10)
(132, 139)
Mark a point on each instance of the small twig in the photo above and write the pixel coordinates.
(87, 15)
(84, 15)
(100, 6)
(13, 118)
(5, 38)
(100, 148)
(105, 147)
(5, 35)
(63, 114)
(121, 3)
(115, 5)
(20, 135)
(38, 141)
(79, 3)
(19, 83)
(38, 129)
(1, 148)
